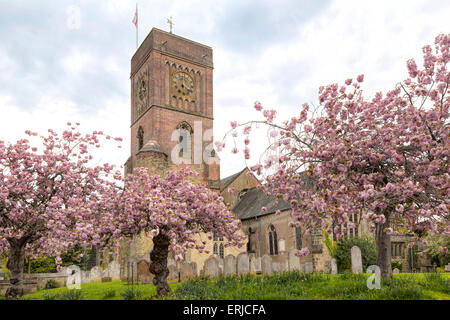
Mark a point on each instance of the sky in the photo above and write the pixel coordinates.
(66, 61)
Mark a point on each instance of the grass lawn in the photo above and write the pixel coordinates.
(283, 286)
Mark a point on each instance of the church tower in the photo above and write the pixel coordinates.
(172, 106)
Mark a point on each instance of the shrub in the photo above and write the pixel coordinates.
(51, 284)
(109, 293)
(41, 265)
(131, 293)
(343, 252)
(74, 294)
(396, 264)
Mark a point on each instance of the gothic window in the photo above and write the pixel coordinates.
(316, 237)
(250, 244)
(140, 136)
(298, 238)
(218, 245)
(184, 139)
(273, 241)
(221, 250)
(215, 251)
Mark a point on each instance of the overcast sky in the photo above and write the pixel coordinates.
(56, 68)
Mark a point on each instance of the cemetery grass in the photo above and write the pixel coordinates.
(280, 286)
(316, 286)
(114, 290)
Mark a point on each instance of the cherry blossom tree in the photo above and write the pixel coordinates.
(173, 211)
(385, 159)
(49, 197)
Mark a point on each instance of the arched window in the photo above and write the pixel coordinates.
(184, 139)
(273, 241)
(221, 250)
(215, 251)
(140, 137)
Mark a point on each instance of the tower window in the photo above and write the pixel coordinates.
(184, 140)
(140, 137)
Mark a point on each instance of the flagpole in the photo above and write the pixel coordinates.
(137, 23)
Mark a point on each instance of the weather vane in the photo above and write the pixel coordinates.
(170, 22)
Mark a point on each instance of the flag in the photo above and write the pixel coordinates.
(135, 19)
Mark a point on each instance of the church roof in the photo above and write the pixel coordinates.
(225, 182)
(153, 146)
(249, 206)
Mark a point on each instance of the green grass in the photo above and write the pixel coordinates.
(99, 291)
(280, 286)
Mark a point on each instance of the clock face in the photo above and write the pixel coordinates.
(182, 84)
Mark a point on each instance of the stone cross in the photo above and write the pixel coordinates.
(170, 22)
(356, 260)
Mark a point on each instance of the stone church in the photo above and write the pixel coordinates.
(171, 111)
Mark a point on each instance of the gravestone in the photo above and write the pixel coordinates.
(275, 266)
(302, 267)
(309, 267)
(266, 264)
(284, 266)
(334, 268)
(356, 260)
(255, 265)
(144, 275)
(95, 274)
(106, 279)
(194, 268)
(2, 275)
(211, 267)
(396, 270)
(114, 270)
(229, 265)
(243, 264)
(186, 271)
(173, 273)
(293, 260)
(447, 268)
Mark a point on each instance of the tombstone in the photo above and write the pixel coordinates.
(275, 266)
(266, 264)
(356, 260)
(95, 274)
(447, 268)
(114, 270)
(302, 267)
(282, 246)
(229, 265)
(284, 266)
(211, 267)
(194, 268)
(255, 265)
(309, 267)
(293, 260)
(144, 276)
(2, 275)
(171, 262)
(396, 270)
(186, 271)
(334, 268)
(243, 264)
(106, 279)
(173, 273)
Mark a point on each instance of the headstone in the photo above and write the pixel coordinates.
(281, 245)
(2, 275)
(302, 267)
(275, 266)
(334, 268)
(243, 264)
(229, 265)
(106, 279)
(144, 275)
(173, 273)
(396, 270)
(96, 274)
(114, 270)
(194, 268)
(266, 264)
(447, 268)
(356, 260)
(257, 266)
(309, 267)
(284, 266)
(186, 271)
(293, 260)
(211, 267)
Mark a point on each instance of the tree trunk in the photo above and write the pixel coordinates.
(158, 265)
(383, 242)
(15, 265)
